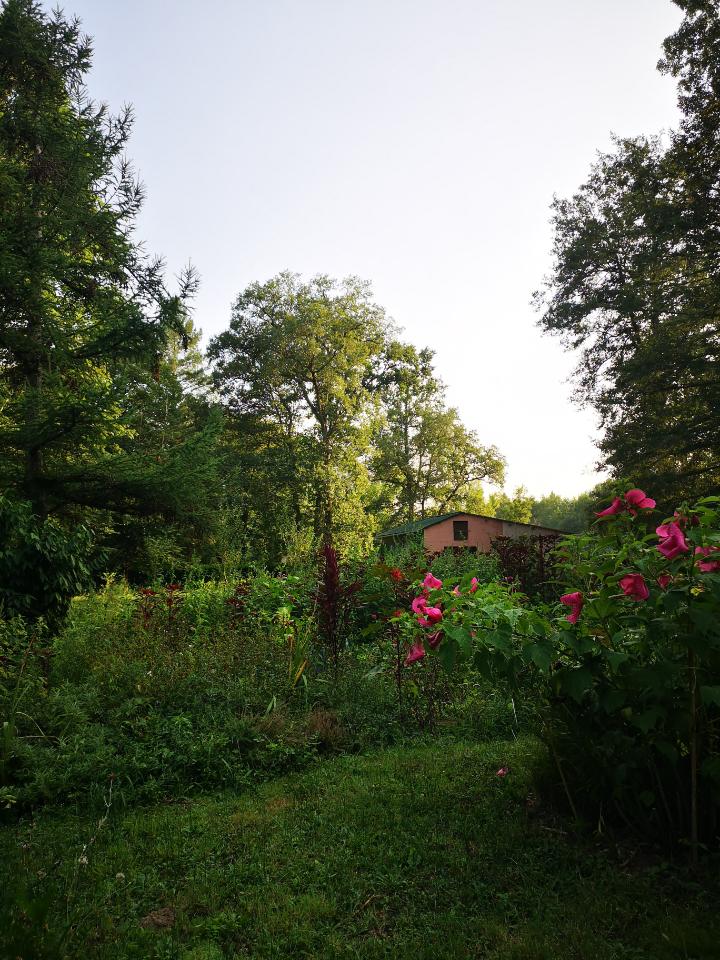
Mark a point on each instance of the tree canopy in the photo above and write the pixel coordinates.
(635, 285)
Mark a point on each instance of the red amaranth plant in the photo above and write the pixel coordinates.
(334, 602)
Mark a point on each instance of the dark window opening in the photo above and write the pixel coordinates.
(460, 529)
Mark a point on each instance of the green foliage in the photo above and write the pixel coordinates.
(633, 706)
(636, 283)
(518, 507)
(298, 357)
(424, 458)
(570, 514)
(631, 692)
(43, 563)
(158, 692)
(96, 426)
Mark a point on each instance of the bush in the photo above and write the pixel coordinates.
(630, 687)
(160, 691)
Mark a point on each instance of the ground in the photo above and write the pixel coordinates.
(421, 852)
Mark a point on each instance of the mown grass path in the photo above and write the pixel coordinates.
(417, 852)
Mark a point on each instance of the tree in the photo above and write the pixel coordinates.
(299, 355)
(423, 455)
(636, 283)
(572, 514)
(518, 507)
(82, 308)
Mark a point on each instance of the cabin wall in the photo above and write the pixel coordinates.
(481, 532)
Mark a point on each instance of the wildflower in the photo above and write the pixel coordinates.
(637, 500)
(633, 585)
(707, 566)
(575, 601)
(672, 539)
(617, 506)
(474, 584)
(434, 640)
(396, 574)
(83, 860)
(418, 604)
(431, 582)
(503, 772)
(416, 652)
(456, 591)
(632, 501)
(433, 614)
(664, 580)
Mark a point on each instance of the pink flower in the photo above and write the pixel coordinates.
(672, 540)
(664, 580)
(617, 506)
(416, 652)
(456, 591)
(633, 585)
(433, 614)
(575, 601)
(503, 772)
(434, 640)
(474, 584)
(431, 582)
(418, 604)
(707, 566)
(638, 500)
(632, 501)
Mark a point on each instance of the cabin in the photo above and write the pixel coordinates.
(459, 530)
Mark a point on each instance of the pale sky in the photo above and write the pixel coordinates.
(414, 143)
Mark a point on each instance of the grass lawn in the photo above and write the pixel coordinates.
(416, 852)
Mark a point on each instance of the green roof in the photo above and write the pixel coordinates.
(407, 529)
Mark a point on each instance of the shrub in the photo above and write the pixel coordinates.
(631, 684)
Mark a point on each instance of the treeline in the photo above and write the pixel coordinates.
(123, 446)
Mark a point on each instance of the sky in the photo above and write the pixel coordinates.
(414, 143)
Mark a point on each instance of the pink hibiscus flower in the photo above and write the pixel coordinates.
(707, 566)
(575, 601)
(633, 585)
(672, 540)
(415, 653)
(431, 582)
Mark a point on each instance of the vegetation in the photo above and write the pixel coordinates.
(212, 684)
(635, 283)
(361, 861)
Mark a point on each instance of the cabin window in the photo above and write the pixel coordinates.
(460, 529)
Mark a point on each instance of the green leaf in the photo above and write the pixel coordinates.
(646, 720)
(462, 638)
(710, 695)
(541, 655)
(616, 658)
(612, 700)
(576, 683)
(448, 654)
(499, 639)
